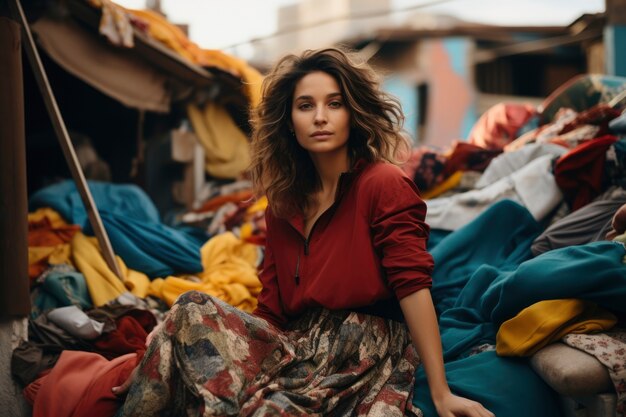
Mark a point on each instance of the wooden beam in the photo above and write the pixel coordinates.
(616, 12)
(64, 138)
(14, 284)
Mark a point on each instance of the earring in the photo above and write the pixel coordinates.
(292, 132)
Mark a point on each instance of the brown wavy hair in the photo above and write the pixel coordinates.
(280, 167)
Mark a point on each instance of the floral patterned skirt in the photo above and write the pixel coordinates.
(211, 359)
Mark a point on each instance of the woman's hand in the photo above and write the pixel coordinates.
(453, 406)
(121, 390)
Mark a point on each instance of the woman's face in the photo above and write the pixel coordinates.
(321, 120)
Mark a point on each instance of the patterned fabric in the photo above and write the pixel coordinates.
(211, 359)
(610, 349)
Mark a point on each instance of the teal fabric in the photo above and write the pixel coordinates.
(60, 288)
(484, 275)
(507, 387)
(593, 272)
(435, 237)
(501, 236)
(132, 224)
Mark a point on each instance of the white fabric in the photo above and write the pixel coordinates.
(532, 186)
(74, 321)
(509, 162)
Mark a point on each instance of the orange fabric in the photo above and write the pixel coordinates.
(174, 38)
(48, 238)
(217, 202)
(80, 385)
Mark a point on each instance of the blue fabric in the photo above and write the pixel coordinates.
(152, 248)
(132, 224)
(484, 275)
(121, 199)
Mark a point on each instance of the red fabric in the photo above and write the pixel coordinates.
(599, 115)
(579, 172)
(369, 245)
(468, 157)
(129, 336)
(80, 385)
(499, 125)
(41, 233)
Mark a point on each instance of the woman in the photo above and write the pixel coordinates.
(345, 263)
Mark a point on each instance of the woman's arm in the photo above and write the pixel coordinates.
(421, 319)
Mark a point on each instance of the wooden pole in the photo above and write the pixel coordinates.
(64, 138)
(14, 285)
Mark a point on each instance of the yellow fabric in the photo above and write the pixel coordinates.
(56, 221)
(259, 206)
(136, 282)
(174, 38)
(102, 283)
(59, 254)
(229, 274)
(548, 321)
(225, 145)
(450, 182)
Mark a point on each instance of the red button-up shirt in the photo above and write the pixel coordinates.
(369, 245)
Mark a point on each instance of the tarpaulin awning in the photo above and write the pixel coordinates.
(115, 72)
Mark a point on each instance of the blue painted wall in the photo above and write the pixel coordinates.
(407, 94)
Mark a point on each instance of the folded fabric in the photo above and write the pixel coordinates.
(226, 147)
(548, 321)
(74, 321)
(533, 186)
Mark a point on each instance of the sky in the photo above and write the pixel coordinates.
(228, 24)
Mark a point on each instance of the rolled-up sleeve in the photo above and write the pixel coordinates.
(399, 233)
